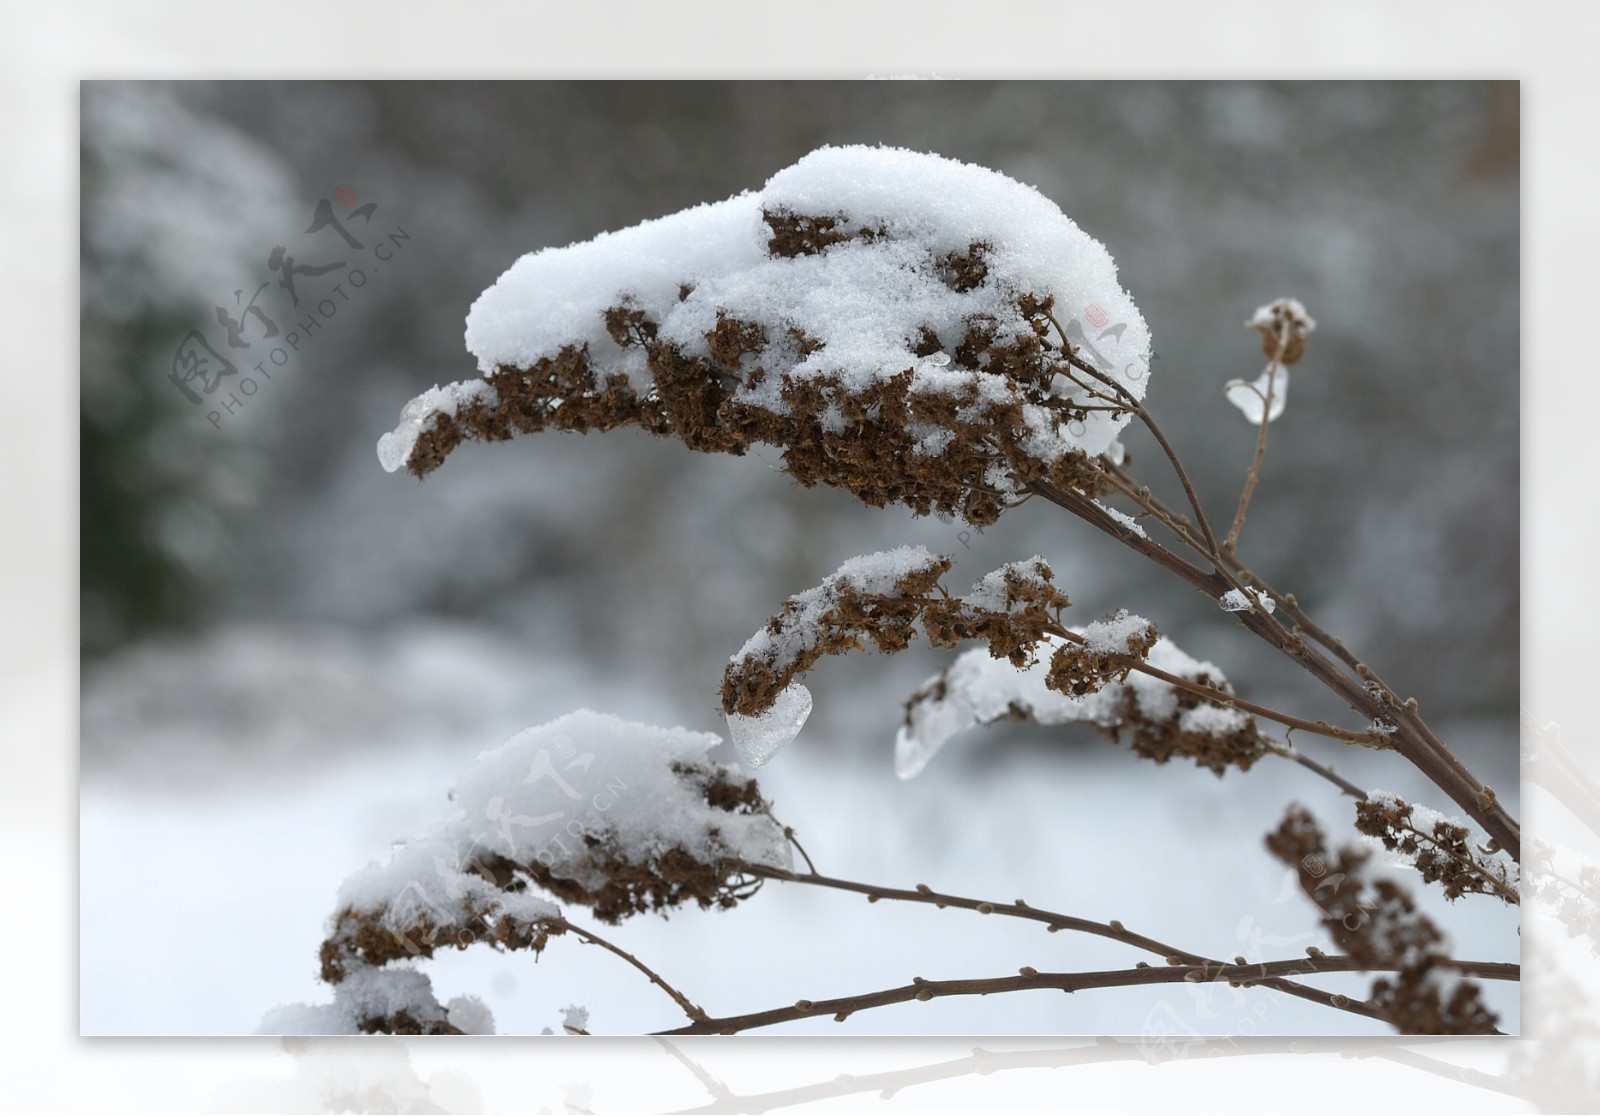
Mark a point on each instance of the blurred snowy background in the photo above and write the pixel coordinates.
(288, 654)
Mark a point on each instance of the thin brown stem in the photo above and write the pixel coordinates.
(690, 1009)
(1412, 738)
(1253, 476)
(1150, 423)
(788, 832)
(1054, 921)
(842, 1007)
(1294, 755)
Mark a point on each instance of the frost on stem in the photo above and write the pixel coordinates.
(1374, 920)
(881, 315)
(1440, 848)
(593, 810)
(1089, 682)
(1235, 601)
(885, 599)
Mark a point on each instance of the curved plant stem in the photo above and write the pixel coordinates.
(693, 1011)
(1294, 755)
(1183, 961)
(1253, 476)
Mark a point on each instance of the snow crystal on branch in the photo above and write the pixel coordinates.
(882, 314)
(1235, 601)
(887, 599)
(594, 810)
(1154, 718)
(382, 1001)
(1440, 848)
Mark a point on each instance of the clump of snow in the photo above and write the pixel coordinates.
(368, 994)
(394, 448)
(1235, 601)
(1447, 834)
(1289, 310)
(867, 292)
(573, 798)
(978, 689)
(997, 591)
(1116, 635)
(547, 791)
(470, 1015)
(575, 1019)
(434, 880)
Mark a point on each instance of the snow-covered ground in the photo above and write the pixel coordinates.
(219, 819)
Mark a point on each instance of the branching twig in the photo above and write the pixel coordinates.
(1150, 423)
(1054, 921)
(1412, 738)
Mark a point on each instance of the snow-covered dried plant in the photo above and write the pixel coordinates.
(911, 330)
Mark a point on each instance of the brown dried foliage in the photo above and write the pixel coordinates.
(1079, 670)
(875, 457)
(1160, 740)
(1377, 923)
(889, 621)
(1284, 339)
(1443, 854)
(673, 878)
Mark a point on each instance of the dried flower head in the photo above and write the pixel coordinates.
(885, 600)
(883, 316)
(1440, 848)
(1107, 653)
(1285, 327)
(1374, 920)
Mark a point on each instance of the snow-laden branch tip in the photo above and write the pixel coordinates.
(590, 809)
(883, 314)
(886, 599)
